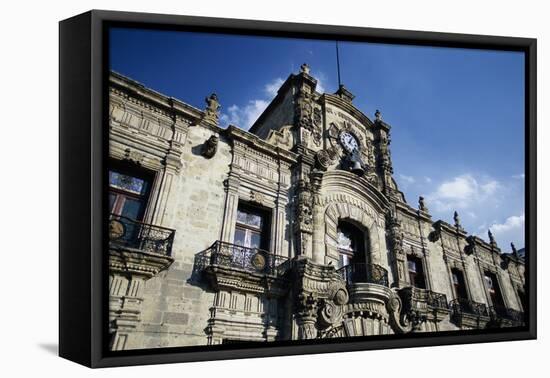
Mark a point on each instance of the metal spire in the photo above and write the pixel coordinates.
(338, 64)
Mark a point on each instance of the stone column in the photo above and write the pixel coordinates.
(231, 205)
(318, 245)
(306, 316)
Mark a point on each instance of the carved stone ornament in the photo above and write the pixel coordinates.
(258, 261)
(210, 147)
(212, 111)
(317, 117)
(323, 159)
(257, 198)
(281, 138)
(395, 234)
(333, 131)
(116, 229)
(330, 314)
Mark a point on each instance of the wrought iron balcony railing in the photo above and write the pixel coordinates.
(461, 306)
(502, 312)
(364, 273)
(129, 233)
(437, 300)
(249, 259)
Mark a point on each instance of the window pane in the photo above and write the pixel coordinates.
(132, 208)
(247, 238)
(412, 265)
(255, 239)
(250, 219)
(240, 236)
(112, 198)
(127, 183)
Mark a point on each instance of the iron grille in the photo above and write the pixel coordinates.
(364, 273)
(248, 259)
(129, 233)
(460, 306)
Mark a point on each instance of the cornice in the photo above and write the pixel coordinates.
(156, 99)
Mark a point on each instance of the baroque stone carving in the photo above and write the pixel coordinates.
(306, 309)
(283, 137)
(323, 160)
(210, 147)
(212, 111)
(258, 198)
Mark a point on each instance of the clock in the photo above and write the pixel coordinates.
(349, 142)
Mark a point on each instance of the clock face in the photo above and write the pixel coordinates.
(348, 141)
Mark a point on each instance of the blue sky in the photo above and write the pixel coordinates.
(457, 115)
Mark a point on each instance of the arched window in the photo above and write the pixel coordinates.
(351, 244)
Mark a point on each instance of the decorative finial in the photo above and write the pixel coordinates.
(514, 250)
(211, 113)
(378, 115)
(422, 205)
(304, 68)
(456, 219)
(491, 237)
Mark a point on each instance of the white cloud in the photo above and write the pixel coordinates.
(272, 87)
(513, 222)
(511, 230)
(406, 179)
(520, 176)
(321, 79)
(463, 192)
(244, 117)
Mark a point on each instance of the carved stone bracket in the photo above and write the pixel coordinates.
(210, 147)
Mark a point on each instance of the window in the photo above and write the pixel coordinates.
(459, 284)
(416, 272)
(252, 228)
(128, 191)
(494, 290)
(351, 244)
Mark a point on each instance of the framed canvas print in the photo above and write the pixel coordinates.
(233, 188)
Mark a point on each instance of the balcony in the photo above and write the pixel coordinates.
(364, 273)
(437, 300)
(129, 234)
(423, 305)
(251, 260)
(232, 266)
(469, 314)
(505, 316)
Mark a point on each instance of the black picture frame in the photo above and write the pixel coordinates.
(83, 111)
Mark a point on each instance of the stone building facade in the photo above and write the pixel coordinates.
(294, 229)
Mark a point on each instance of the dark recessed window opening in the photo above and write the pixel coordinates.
(416, 272)
(351, 244)
(252, 227)
(493, 288)
(459, 284)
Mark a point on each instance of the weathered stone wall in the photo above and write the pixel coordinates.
(176, 309)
